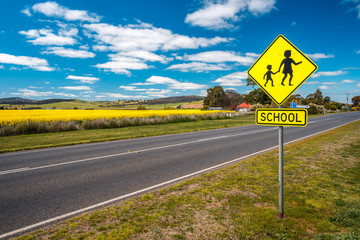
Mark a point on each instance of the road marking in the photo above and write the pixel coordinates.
(71, 214)
(26, 169)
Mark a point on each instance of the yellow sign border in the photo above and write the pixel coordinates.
(281, 36)
(282, 110)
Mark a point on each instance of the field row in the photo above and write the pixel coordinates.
(12, 117)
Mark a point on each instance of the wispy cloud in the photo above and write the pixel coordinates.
(38, 64)
(122, 65)
(171, 83)
(47, 37)
(347, 81)
(318, 56)
(24, 92)
(221, 57)
(144, 36)
(329, 73)
(119, 96)
(68, 52)
(222, 14)
(32, 93)
(53, 9)
(311, 82)
(77, 88)
(199, 67)
(83, 79)
(234, 79)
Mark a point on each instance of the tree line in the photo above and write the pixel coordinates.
(230, 99)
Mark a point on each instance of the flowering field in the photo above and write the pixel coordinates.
(12, 117)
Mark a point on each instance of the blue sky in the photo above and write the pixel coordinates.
(141, 49)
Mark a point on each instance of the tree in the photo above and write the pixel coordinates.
(327, 99)
(356, 101)
(334, 105)
(316, 98)
(250, 82)
(216, 97)
(257, 96)
(235, 98)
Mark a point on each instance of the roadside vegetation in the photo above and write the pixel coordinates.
(321, 196)
(42, 140)
(15, 122)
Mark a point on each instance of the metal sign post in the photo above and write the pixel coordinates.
(281, 168)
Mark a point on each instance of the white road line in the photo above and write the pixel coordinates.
(51, 220)
(26, 169)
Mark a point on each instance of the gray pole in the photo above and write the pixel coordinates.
(281, 165)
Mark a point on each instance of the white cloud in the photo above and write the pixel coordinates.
(122, 65)
(347, 81)
(311, 82)
(2, 67)
(26, 11)
(53, 9)
(329, 83)
(145, 37)
(83, 79)
(32, 93)
(221, 56)
(203, 93)
(47, 37)
(324, 87)
(119, 96)
(318, 56)
(69, 53)
(172, 83)
(198, 67)
(133, 88)
(358, 85)
(141, 54)
(329, 73)
(31, 62)
(234, 79)
(222, 14)
(77, 88)
(65, 94)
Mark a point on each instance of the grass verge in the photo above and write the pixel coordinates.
(33, 141)
(321, 189)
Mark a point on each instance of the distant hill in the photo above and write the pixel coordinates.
(14, 100)
(23, 101)
(177, 99)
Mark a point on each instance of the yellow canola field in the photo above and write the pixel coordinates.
(11, 117)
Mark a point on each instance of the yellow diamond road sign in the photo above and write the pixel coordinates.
(281, 70)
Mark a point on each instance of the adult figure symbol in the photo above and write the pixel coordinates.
(287, 61)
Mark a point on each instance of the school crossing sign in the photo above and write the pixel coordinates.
(281, 70)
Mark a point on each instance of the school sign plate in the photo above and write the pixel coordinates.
(281, 70)
(281, 117)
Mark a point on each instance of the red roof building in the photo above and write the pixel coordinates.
(244, 105)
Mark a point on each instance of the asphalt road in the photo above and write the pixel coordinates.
(42, 186)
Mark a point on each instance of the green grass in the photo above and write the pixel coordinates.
(321, 196)
(33, 141)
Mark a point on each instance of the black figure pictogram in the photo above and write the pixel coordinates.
(287, 61)
(268, 75)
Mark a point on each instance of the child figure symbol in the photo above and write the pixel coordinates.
(287, 61)
(268, 76)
